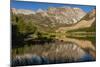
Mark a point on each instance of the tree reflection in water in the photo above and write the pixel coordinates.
(55, 52)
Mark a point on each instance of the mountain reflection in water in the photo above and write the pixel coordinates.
(57, 52)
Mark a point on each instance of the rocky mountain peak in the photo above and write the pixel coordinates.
(39, 10)
(67, 15)
(22, 11)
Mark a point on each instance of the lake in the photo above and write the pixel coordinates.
(67, 51)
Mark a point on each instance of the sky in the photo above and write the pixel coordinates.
(36, 5)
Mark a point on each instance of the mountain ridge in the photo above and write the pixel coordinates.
(54, 18)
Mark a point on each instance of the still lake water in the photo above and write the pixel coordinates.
(71, 50)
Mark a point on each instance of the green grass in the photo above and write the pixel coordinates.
(90, 29)
(90, 38)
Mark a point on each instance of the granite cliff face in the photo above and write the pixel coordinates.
(88, 21)
(66, 15)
